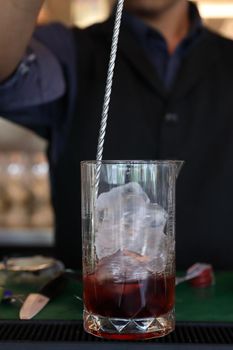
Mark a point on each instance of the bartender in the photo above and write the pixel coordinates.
(172, 99)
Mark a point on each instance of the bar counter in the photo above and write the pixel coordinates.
(211, 306)
(192, 304)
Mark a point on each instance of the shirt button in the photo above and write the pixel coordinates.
(171, 118)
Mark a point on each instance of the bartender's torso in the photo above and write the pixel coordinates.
(186, 113)
(193, 121)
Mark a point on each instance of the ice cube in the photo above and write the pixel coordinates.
(112, 210)
(143, 232)
(107, 240)
(155, 216)
(122, 266)
(126, 220)
(127, 198)
(153, 227)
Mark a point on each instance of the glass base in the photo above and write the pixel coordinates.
(129, 329)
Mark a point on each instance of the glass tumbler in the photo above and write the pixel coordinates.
(128, 231)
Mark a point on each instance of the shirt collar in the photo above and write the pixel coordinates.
(142, 30)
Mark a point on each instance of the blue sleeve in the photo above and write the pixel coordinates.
(40, 81)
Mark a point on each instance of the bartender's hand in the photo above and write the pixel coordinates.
(17, 22)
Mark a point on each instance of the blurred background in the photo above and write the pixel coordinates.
(26, 218)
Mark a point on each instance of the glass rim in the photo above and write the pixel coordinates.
(124, 162)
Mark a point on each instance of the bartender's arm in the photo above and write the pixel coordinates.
(17, 22)
(37, 69)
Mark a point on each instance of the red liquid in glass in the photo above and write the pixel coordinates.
(150, 297)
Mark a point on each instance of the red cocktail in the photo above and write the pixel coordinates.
(127, 296)
(150, 297)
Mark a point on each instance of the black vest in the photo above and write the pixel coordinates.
(194, 122)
